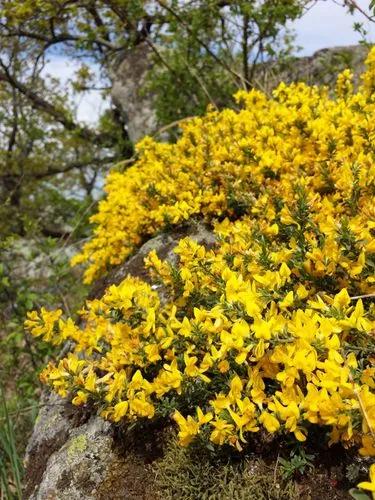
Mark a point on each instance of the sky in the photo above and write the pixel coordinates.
(327, 24)
(89, 104)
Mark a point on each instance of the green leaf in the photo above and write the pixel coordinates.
(358, 494)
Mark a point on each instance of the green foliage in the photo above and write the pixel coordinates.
(358, 494)
(209, 52)
(32, 272)
(10, 461)
(180, 474)
(298, 462)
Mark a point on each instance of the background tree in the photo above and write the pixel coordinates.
(202, 52)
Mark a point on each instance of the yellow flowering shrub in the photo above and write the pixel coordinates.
(274, 327)
(369, 485)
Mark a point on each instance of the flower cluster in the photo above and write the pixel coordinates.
(272, 328)
(231, 163)
(247, 341)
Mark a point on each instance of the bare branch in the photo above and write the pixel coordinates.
(237, 76)
(43, 105)
(354, 5)
(54, 170)
(61, 169)
(60, 38)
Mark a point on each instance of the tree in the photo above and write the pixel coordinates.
(39, 137)
(202, 52)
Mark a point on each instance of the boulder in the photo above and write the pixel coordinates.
(323, 66)
(73, 454)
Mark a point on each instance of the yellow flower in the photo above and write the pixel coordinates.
(262, 329)
(235, 387)
(141, 407)
(90, 381)
(368, 446)
(203, 419)
(287, 301)
(342, 299)
(241, 329)
(188, 428)
(222, 430)
(223, 366)
(300, 436)
(269, 422)
(80, 398)
(260, 349)
(269, 314)
(152, 352)
(369, 485)
(120, 410)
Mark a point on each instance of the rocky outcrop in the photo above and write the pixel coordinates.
(137, 105)
(321, 68)
(74, 455)
(164, 244)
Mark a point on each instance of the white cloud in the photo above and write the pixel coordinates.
(328, 24)
(89, 104)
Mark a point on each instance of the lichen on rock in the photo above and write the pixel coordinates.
(72, 455)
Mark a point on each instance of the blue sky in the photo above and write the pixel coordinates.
(327, 24)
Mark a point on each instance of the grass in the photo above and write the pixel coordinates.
(39, 276)
(191, 474)
(10, 461)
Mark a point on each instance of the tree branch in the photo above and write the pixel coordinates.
(60, 38)
(53, 170)
(354, 5)
(45, 106)
(222, 63)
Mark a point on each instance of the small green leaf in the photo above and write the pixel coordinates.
(358, 494)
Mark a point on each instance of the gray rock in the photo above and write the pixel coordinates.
(74, 455)
(26, 259)
(164, 244)
(321, 68)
